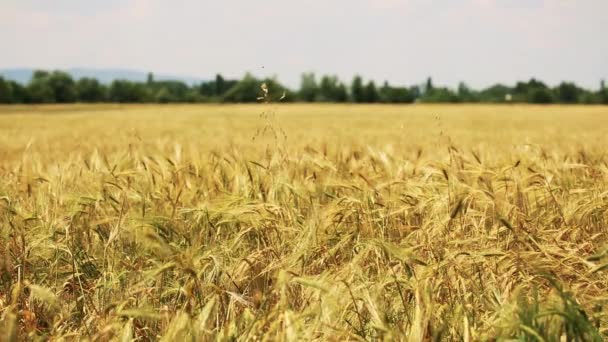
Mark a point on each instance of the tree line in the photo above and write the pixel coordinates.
(60, 87)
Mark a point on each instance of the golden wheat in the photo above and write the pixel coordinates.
(304, 222)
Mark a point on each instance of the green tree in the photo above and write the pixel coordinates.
(249, 89)
(19, 92)
(219, 85)
(194, 96)
(356, 90)
(90, 90)
(64, 87)
(588, 97)
(332, 90)
(602, 96)
(341, 94)
(6, 91)
(495, 93)
(39, 89)
(45, 87)
(309, 90)
(428, 88)
(163, 95)
(207, 89)
(466, 94)
(370, 93)
(123, 91)
(533, 91)
(246, 90)
(415, 92)
(440, 95)
(327, 88)
(389, 94)
(540, 96)
(150, 79)
(568, 93)
(170, 91)
(217, 88)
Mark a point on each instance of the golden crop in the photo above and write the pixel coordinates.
(304, 222)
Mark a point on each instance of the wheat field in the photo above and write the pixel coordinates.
(304, 222)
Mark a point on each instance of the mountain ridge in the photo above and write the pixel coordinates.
(104, 75)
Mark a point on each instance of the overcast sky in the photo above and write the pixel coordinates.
(480, 42)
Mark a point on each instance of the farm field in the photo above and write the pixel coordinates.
(304, 222)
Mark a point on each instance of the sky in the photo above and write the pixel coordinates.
(480, 42)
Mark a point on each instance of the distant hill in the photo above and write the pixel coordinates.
(23, 75)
